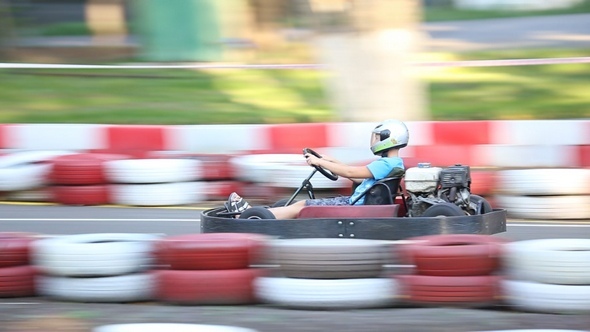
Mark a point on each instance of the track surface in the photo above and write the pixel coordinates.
(36, 314)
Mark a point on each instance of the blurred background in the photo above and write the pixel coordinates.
(376, 60)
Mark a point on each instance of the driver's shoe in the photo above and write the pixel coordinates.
(236, 204)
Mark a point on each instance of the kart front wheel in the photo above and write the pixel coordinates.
(257, 212)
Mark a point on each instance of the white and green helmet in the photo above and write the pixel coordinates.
(388, 135)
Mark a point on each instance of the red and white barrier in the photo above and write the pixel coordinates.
(534, 143)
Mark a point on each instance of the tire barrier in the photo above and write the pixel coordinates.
(464, 291)
(176, 178)
(301, 293)
(17, 274)
(80, 179)
(329, 258)
(208, 269)
(549, 275)
(26, 170)
(452, 255)
(96, 267)
(454, 269)
(546, 275)
(554, 193)
(328, 274)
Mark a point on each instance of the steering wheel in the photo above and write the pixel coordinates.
(322, 170)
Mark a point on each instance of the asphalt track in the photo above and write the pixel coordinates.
(39, 314)
(54, 219)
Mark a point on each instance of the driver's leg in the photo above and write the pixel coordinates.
(289, 211)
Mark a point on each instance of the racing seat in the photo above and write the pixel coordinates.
(384, 191)
(380, 201)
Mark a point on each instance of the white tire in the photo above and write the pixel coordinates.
(24, 177)
(554, 181)
(329, 258)
(288, 176)
(158, 194)
(20, 158)
(548, 298)
(153, 170)
(555, 261)
(125, 288)
(94, 254)
(164, 327)
(545, 207)
(258, 168)
(327, 294)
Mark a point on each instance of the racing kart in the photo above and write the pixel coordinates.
(431, 200)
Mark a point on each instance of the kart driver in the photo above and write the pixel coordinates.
(386, 141)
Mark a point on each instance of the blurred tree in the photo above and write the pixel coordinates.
(268, 16)
(369, 46)
(106, 17)
(6, 29)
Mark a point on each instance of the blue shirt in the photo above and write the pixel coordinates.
(380, 168)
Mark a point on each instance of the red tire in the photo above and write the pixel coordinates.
(15, 249)
(472, 290)
(81, 169)
(81, 195)
(17, 281)
(207, 287)
(453, 254)
(220, 190)
(483, 183)
(210, 251)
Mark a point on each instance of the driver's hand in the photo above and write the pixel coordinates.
(312, 160)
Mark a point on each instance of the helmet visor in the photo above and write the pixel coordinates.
(375, 138)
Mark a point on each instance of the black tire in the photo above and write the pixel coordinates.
(443, 210)
(486, 207)
(282, 202)
(257, 212)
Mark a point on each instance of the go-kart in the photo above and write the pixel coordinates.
(434, 201)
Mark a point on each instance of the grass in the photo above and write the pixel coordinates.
(283, 96)
(520, 92)
(158, 97)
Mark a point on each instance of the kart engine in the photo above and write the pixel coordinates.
(428, 185)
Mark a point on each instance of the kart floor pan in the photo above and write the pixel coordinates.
(397, 228)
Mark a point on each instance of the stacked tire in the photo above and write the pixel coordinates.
(328, 274)
(155, 182)
(208, 268)
(80, 179)
(24, 175)
(548, 275)
(97, 267)
(545, 193)
(272, 175)
(17, 274)
(217, 173)
(451, 270)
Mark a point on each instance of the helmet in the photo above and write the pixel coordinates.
(388, 135)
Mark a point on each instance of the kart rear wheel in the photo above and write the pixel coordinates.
(443, 210)
(257, 212)
(485, 206)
